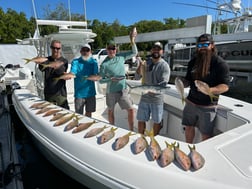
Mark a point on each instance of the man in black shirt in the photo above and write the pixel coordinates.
(55, 90)
(200, 108)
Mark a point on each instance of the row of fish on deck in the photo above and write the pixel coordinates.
(172, 153)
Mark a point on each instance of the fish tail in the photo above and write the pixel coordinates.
(212, 97)
(191, 147)
(44, 66)
(183, 100)
(27, 60)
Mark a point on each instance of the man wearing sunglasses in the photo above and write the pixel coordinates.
(55, 90)
(211, 69)
(112, 71)
(84, 90)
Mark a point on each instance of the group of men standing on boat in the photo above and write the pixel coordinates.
(199, 110)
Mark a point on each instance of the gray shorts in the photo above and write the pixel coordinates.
(200, 116)
(120, 97)
(89, 103)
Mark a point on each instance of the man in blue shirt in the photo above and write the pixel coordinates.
(84, 90)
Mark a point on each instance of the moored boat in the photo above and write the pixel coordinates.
(99, 165)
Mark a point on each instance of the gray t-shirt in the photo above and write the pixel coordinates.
(156, 74)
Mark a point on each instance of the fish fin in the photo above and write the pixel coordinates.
(27, 60)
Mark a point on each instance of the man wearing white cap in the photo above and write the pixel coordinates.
(84, 90)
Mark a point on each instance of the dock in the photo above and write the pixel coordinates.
(10, 170)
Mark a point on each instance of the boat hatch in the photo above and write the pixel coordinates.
(240, 155)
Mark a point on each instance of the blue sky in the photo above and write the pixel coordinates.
(127, 12)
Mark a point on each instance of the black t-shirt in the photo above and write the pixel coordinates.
(52, 86)
(219, 74)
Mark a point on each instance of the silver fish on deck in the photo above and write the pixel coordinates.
(35, 105)
(35, 59)
(64, 119)
(140, 144)
(92, 77)
(196, 158)
(52, 112)
(204, 88)
(183, 160)
(57, 116)
(107, 135)
(72, 124)
(153, 148)
(43, 110)
(122, 141)
(83, 126)
(40, 105)
(167, 155)
(95, 131)
(180, 88)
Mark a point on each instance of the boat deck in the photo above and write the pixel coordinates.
(9, 171)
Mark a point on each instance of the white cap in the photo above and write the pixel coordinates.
(86, 45)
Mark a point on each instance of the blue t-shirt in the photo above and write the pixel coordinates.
(81, 68)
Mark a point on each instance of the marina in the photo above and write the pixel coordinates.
(91, 162)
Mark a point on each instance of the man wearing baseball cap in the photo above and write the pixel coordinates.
(154, 71)
(84, 90)
(209, 69)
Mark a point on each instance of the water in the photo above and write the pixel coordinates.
(37, 171)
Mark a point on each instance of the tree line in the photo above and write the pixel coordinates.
(15, 25)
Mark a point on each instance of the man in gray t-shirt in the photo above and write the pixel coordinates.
(155, 71)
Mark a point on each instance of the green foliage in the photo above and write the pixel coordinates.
(16, 26)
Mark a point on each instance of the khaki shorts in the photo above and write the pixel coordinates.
(120, 97)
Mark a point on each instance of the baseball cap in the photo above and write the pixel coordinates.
(86, 46)
(111, 45)
(205, 37)
(157, 45)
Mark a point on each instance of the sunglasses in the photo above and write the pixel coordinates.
(200, 45)
(85, 50)
(55, 48)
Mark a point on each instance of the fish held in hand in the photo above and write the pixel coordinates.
(133, 35)
(65, 76)
(54, 65)
(205, 89)
(37, 60)
(196, 158)
(122, 141)
(180, 88)
(153, 148)
(167, 155)
(140, 144)
(107, 135)
(92, 77)
(95, 131)
(183, 160)
(83, 126)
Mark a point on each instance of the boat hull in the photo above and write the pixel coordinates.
(101, 166)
